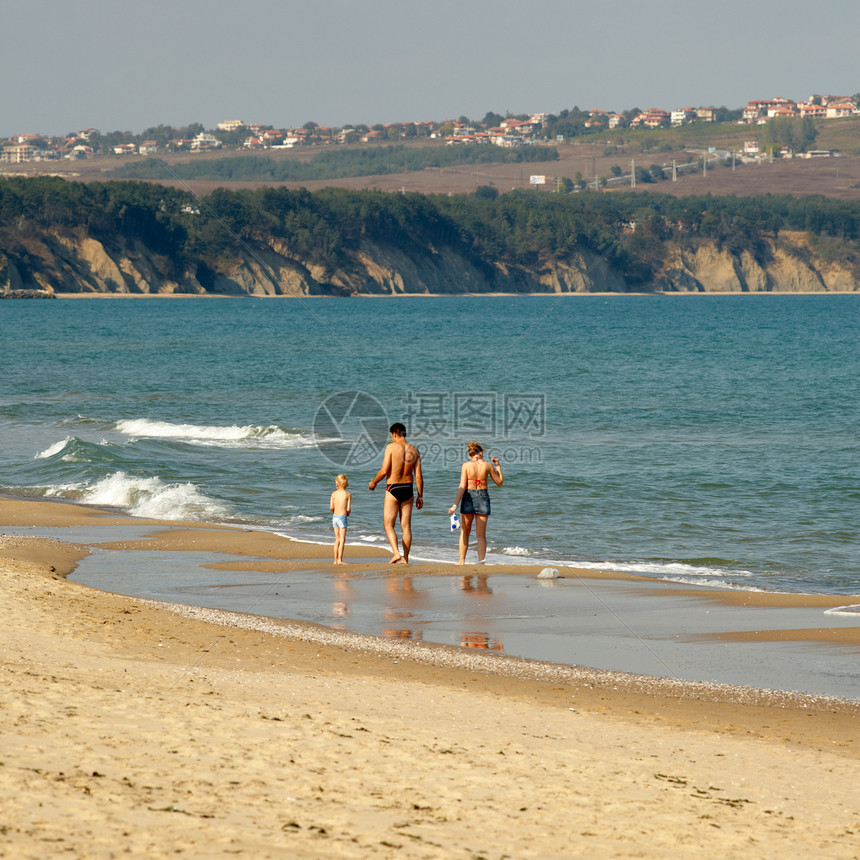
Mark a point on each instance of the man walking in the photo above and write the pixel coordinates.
(401, 466)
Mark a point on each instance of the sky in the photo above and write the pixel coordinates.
(118, 65)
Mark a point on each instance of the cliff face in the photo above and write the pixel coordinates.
(56, 263)
(711, 270)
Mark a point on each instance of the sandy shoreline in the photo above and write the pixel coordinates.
(131, 727)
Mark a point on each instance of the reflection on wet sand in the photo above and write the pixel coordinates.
(403, 633)
(402, 610)
(482, 641)
(402, 585)
(481, 585)
(340, 608)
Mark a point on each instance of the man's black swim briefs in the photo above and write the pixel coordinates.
(401, 492)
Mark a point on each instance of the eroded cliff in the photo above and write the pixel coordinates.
(69, 264)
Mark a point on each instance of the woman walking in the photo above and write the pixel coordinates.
(474, 498)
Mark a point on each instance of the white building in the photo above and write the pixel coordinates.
(681, 116)
(204, 140)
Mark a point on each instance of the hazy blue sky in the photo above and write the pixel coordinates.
(123, 65)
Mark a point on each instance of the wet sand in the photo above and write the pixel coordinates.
(130, 727)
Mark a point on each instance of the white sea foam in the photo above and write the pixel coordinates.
(151, 497)
(64, 491)
(665, 570)
(714, 582)
(236, 436)
(514, 550)
(854, 609)
(53, 449)
(301, 518)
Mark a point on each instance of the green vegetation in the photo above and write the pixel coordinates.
(805, 134)
(519, 228)
(333, 163)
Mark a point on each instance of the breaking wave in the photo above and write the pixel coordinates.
(235, 436)
(145, 497)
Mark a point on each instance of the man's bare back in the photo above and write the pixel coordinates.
(401, 466)
(402, 458)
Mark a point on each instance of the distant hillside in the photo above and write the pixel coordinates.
(135, 237)
(332, 163)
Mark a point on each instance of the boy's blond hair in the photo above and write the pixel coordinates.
(342, 481)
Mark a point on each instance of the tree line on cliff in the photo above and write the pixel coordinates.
(529, 229)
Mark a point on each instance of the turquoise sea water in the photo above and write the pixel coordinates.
(708, 439)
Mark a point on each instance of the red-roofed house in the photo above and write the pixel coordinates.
(805, 109)
(759, 108)
(839, 110)
(652, 118)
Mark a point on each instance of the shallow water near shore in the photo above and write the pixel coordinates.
(711, 440)
(640, 628)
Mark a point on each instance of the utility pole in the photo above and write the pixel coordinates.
(632, 173)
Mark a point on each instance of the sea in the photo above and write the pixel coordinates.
(710, 440)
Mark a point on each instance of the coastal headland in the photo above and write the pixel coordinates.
(135, 237)
(136, 728)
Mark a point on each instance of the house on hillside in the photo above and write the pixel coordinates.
(205, 141)
(124, 149)
(782, 113)
(839, 110)
(519, 127)
(761, 108)
(812, 111)
(681, 116)
(346, 135)
(651, 118)
(17, 153)
(148, 147)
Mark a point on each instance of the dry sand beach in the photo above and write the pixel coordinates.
(132, 729)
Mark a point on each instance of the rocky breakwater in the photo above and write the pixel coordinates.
(26, 294)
